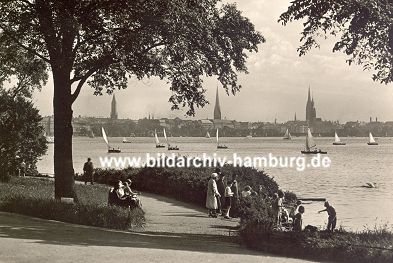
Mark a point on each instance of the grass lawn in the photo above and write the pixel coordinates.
(35, 197)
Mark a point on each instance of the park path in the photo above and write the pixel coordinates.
(175, 232)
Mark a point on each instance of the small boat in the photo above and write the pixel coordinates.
(110, 149)
(287, 135)
(49, 139)
(125, 140)
(170, 148)
(219, 146)
(370, 185)
(311, 147)
(207, 135)
(249, 136)
(371, 140)
(337, 140)
(158, 144)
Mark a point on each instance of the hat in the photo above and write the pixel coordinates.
(214, 175)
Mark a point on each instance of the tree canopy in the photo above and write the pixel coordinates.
(364, 29)
(105, 42)
(22, 138)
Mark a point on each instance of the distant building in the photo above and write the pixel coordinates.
(217, 109)
(114, 108)
(207, 124)
(311, 113)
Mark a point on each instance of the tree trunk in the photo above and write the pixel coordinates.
(62, 107)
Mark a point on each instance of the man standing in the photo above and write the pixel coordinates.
(332, 219)
(88, 171)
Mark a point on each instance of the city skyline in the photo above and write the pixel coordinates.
(275, 87)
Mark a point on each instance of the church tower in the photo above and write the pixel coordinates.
(311, 114)
(114, 108)
(217, 109)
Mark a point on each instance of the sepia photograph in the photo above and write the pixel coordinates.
(196, 130)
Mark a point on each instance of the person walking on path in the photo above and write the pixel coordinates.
(212, 196)
(88, 171)
(228, 199)
(332, 218)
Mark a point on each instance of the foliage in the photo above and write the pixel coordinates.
(110, 41)
(364, 26)
(188, 184)
(341, 246)
(21, 135)
(34, 197)
(106, 42)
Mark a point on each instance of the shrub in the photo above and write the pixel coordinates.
(187, 184)
(84, 214)
(34, 197)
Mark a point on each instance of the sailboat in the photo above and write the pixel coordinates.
(110, 149)
(371, 140)
(125, 140)
(158, 144)
(337, 140)
(287, 135)
(207, 135)
(170, 148)
(311, 147)
(218, 144)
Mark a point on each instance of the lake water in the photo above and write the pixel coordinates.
(352, 166)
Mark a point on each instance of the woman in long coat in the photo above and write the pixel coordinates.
(212, 194)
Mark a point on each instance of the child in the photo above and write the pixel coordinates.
(298, 220)
(228, 198)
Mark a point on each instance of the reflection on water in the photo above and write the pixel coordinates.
(352, 166)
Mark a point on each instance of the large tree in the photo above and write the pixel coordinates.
(22, 138)
(105, 42)
(364, 29)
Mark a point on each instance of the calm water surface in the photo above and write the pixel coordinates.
(352, 166)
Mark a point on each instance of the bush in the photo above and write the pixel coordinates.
(187, 184)
(34, 197)
(83, 214)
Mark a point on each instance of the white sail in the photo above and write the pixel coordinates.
(207, 135)
(104, 136)
(166, 139)
(336, 138)
(371, 138)
(287, 135)
(156, 137)
(217, 136)
(309, 140)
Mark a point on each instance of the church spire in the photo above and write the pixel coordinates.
(309, 94)
(217, 109)
(114, 108)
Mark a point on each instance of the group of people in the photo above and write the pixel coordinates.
(221, 196)
(295, 218)
(122, 195)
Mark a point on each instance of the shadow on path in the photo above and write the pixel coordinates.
(58, 233)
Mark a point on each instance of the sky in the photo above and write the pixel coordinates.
(275, 88)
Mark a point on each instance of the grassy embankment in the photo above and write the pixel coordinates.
(35, 197)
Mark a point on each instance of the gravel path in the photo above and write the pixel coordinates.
(175, 232)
